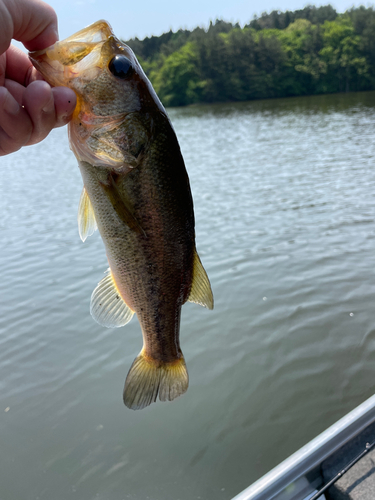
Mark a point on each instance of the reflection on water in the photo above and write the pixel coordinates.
(284, 201)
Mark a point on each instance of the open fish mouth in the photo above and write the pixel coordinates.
(78, 54)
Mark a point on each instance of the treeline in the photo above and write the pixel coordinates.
(314, 50)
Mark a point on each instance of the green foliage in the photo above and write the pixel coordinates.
(341, 55)
(178, 83)
(281, 20)
(308, 51)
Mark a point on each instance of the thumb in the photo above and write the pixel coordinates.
(32, 22)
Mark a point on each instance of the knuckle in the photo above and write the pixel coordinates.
(9, 145)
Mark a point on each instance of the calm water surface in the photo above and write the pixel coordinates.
(284, 196)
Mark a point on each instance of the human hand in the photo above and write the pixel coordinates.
(29, 107)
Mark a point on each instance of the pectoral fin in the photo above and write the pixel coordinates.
(86, 217)
(200, 292)
(107, 306)
(121, 205)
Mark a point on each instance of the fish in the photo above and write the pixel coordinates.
(136, 192)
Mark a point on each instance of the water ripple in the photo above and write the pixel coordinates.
(284, 205)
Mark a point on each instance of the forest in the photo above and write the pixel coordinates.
(310, 51)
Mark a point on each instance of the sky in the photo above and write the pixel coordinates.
(143, 18)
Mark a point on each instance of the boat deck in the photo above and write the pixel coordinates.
(359, 482)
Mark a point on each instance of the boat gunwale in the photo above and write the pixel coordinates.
(303, 461)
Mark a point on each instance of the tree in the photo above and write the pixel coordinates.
(341, 54)
(309, 51)
(178, 83)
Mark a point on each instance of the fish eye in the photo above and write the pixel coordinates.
(120, 66)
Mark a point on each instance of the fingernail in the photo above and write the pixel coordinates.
(11, 106)
(56, 32)
(65, 118)
(50, 106)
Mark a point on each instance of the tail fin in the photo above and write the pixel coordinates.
(147, 378)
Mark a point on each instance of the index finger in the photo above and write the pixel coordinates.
(19, 67)
(32, 22)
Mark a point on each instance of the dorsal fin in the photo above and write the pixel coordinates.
(107, 306)
(86, 216)
(200, 292)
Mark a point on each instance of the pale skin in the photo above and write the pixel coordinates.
(29, 107)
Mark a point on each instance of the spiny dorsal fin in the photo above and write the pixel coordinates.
(200, 292)
(107, 306)
(148, 377)
(86, 216)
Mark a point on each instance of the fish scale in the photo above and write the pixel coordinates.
(137, 193)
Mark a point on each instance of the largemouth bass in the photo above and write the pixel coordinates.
(137, 193)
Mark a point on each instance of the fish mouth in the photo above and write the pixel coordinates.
(77, 54)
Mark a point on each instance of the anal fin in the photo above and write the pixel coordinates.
(86, 217)
(107, 306)
(201, 292)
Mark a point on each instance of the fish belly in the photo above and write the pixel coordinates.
(152, 269)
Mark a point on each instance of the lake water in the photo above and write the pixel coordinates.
(284, 195)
